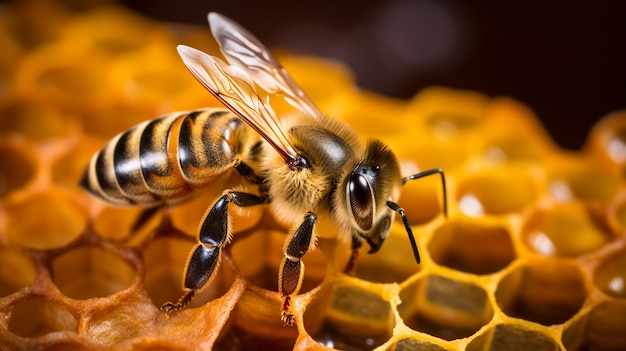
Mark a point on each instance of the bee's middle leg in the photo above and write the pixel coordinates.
(291, 268)
(205, 257)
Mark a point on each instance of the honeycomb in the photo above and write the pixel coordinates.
(531, 257)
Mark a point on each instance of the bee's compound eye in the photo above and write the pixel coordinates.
(361, 199)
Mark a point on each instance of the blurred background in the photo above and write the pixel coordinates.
(564, 59)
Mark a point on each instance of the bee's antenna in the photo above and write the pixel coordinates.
(443, 184)
(394, 206)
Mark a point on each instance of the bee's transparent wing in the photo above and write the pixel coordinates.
(235, 89)
(244, 50)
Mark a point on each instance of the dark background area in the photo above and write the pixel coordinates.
(565, 59)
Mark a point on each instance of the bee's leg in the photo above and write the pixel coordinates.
(205, 257)
(354, 255)
(291, 268)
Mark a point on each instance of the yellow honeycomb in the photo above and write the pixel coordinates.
(532, 256)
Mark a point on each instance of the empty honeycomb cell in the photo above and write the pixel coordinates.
(16, 271)
(45, 220)
(604, 328)
(37, 316)
(512, 337)
(610, 275)
(17, 168)
(91, 271)
(581, 180)
(410, 344)
(496, 191)
(444, 307)
(347, 316)
(258, 255)
(535, 290)
(34, 120)
(393, 263)
(563, 230)
(472, 246)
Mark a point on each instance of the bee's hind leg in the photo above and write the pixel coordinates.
(205, 257)
(291, 269)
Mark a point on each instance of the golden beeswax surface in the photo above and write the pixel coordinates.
(532, 255)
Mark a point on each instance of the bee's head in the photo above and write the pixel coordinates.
(374, 181)
(372, 188)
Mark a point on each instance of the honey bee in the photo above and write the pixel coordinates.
(307, 168)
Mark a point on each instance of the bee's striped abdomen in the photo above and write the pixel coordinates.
(165, 159)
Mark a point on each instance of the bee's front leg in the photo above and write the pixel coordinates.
(292, 269)
(214, 234)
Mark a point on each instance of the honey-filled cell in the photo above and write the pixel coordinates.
(444, 307)
(610, 275)
(548, 291)
(497, 191)
(471, 246)
(565, 230)
(513, 337)
(348, 316)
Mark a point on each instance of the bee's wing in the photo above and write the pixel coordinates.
(235, 89)
(244, 50)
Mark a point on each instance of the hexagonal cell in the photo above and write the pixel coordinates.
(393, 263)
(91, 271)
(259, 254)
(563, 230)
(37, 316)
(546, 291)
(18, 271)
(472, 246)
(165, 260)
(444, 307)
(581, 179)
(604, 328)
(610, 275)
(17, 168)
(616, 214)
(410, 344)
(348, 316)
(45, 220)
(512, 337)
(496, 191)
